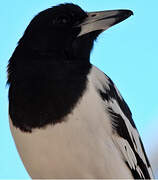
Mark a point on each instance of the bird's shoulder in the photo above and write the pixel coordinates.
(124, 131)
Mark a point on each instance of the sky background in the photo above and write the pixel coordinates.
(127, 52)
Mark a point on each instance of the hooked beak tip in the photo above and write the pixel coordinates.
(103, 20)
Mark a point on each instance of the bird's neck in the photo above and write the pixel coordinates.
(43, 91)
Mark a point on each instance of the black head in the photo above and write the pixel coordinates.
(48, 70)
(68, 29)
(55, 30)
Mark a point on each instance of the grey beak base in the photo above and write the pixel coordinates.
(103, 20)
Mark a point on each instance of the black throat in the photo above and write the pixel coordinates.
(44, 88)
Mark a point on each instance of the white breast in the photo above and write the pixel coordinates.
(79, 147)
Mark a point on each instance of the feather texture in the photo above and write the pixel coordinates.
(125, 134)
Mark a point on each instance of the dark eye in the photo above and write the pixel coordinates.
(62, 19)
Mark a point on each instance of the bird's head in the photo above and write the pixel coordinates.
(44, 85)
(69, 30)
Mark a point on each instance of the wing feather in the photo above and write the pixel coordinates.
(125, 134)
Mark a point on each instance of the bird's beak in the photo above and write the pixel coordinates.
(103, 20)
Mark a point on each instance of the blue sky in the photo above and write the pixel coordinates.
(127, 53)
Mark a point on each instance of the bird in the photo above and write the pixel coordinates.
(67, 117)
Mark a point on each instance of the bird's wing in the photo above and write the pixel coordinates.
(125, 134)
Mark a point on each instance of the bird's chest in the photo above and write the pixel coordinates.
(79, 147)
(46, 95)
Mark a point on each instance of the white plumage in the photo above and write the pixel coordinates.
(84, 146)
(67, 117)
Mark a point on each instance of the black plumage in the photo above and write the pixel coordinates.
(47, 71)
(52, 82)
